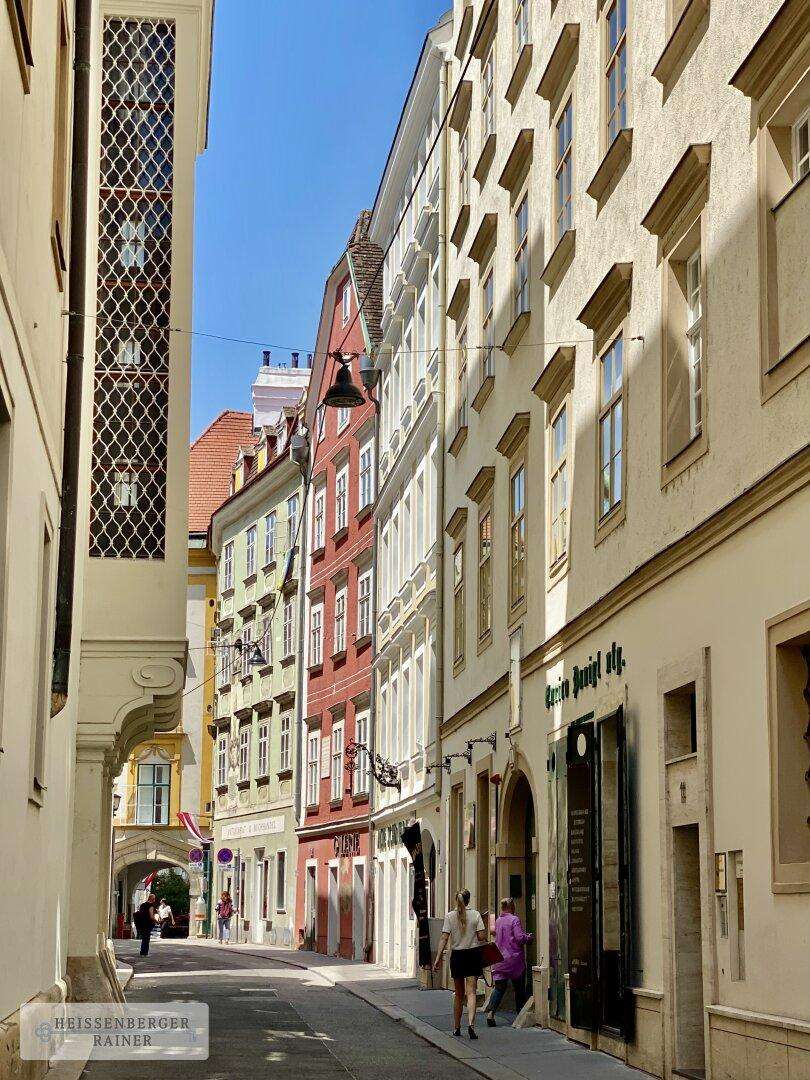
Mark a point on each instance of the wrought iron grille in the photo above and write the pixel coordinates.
(131, 394)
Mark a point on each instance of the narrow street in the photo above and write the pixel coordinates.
(269, 1016)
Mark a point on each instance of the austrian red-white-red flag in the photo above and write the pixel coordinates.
(147, 881)
(190, 823)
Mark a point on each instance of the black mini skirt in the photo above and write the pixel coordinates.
(466, 963)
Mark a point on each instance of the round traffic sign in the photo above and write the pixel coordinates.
(224, 856)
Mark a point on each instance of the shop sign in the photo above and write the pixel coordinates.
(347, 844)
(390, 836)
(258, 827)
(586, 675)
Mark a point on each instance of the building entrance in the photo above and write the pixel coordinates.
(518, 866)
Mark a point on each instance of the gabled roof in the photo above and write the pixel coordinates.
(211, 460)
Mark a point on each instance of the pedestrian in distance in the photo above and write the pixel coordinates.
(145, 919)
(224, 913)
(165, 915)
(464, 930)
(510, 937)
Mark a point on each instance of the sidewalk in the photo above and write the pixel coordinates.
(501, 1053)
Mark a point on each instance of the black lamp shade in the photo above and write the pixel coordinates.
(343, 394)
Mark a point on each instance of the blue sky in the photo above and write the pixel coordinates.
(305, 101)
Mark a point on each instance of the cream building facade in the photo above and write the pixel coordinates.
(123, 609)
(408, 538)
(626, 497)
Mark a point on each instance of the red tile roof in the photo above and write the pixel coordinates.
(212, 458)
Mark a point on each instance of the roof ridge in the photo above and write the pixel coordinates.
(216, 420)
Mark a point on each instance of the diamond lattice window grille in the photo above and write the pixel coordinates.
(131, 397)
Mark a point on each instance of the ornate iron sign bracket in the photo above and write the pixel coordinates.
(384, 772)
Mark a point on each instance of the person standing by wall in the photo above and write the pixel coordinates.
(224, 913)
(510, 937)
(464, 930)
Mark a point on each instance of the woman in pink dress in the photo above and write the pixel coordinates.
(510, 937)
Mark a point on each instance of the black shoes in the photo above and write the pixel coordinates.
(490, 1021)
(457, 1033)
(471, 1032)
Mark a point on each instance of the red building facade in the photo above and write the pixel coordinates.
(332, 902)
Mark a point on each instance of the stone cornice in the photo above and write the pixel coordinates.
(461, 109)
(555, 373)
(457, 523)
(516, 431)
(484, 238)
(563, 57)
(611, 292)
(482, 484)
(519, 159)
(683, 184)
(785, 33)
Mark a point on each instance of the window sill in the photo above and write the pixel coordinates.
(312, 808)
(284, 774)
(226, 594)
(242, 785)
(560, 259)
(336, 804)
(269, 565)
(285, 661)
(483, 392)
(458, 440)
(244, 713)
(518, 80)
(485, 159)
(316, 669)
(672, 60)
(516, 332)
(318, 551)
(360, 798)
(339, 535)
(685, 458)
(606, 525)
(262, 781)
(364, 512)
(611, 167)
(221, 789)
(247, 610)
(362, 641)
(337, 656)
(460, 227)
(250, 579)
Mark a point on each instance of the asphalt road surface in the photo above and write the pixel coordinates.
(267, 1019)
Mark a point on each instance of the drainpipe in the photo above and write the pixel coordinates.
(441, 399)
(77, 285)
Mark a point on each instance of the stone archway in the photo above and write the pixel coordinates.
(136, 853)
(517, 852)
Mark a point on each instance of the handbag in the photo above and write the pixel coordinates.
(490, 954)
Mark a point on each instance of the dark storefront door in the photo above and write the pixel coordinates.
(598, 876)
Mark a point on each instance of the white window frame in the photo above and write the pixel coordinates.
(462, 403)
(227, 565)
(244, 753)
(616, 118)
(564, 170)
(610, 408)
(250, 550)
(247, 645)
(694, 339)
(126, 488)
(336, 776)
(346, 303)
(517, 538)
(222, 759)
(488, 325)
(285, 743)
(484, 554)
(313, 767)
(269, 537)
(366, 473)
(558, 477)
(343, 415)
(340, 620)
(264, 748)
(801, 160)
(521, 25)
(316, 635)
(362, 773)
(319, 519)
(521, 297)
(342, 498)
(288, 626)
(488, 94)
(292, 520)
(364, 603)
(267, 639)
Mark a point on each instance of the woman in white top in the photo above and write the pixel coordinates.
(464, 929)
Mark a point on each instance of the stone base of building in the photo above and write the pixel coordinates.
(11, 1064)
(93, 978)
(747, 1046)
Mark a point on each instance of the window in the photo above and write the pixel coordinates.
(44, 662)
(362, 773)
(521, 295)
(285, 744)
(419, 510)
(264, 740)
(458, 605)
(267, 639)
(364, 605)
(20, 15)
(281, 881)
(610, 428)
(313, 740)
(346, 304)
(435, 310)
(340, 621)
(129, 353)
(292, 520)
(342, 499)
(488, 94)
(222, 759)
(222, 649)
(288, 625)
(133, 244)
(153, 794)
(558, 486)
(269, 536)
(316, 636)
(244, 752)
(227, 661)
(521, 25)
(616, 68)
(263, 884)
(464, 166)
(488, 326)
(563, 205)
(337, 763)
(125, 488)
(517, 534)
(461, 380)
(319, 522)
(227, 566)
(342, 418)
(801, 147)
(407, 749)
(484, 575)
(366, 474)
(694, 337)
(421, 334)
(247, 650)
(250, 551)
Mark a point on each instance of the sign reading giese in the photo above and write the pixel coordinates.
(589, 674)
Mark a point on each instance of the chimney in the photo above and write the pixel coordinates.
(309, 359)
(265, 358)
(294, 360)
